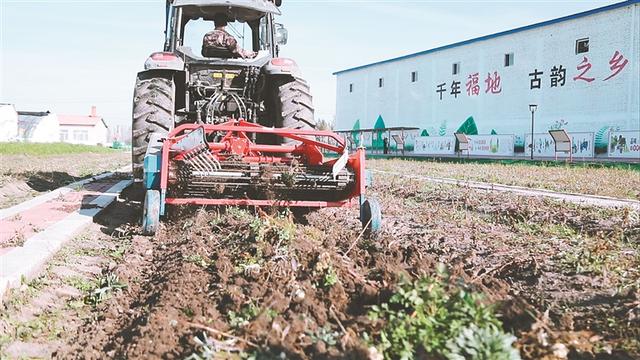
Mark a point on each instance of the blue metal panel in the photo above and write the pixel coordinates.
(151, 174)
(508, 32)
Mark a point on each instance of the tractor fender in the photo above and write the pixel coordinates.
(282, 66)
(164, 61)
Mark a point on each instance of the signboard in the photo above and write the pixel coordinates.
(399, 142)
(543, 145)
(492, 145)
(624, 144)
(562, 140)
(463, 142)
(435, 145)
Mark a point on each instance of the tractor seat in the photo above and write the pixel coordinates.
(218, 53)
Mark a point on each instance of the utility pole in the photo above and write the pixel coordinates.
(532, 108)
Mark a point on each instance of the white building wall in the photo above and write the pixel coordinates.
(581, 106)
(84, 134)
(8, 123)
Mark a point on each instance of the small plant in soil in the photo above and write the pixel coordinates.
(105, 286)
(592, 256)
(198, 260)
(278, 229)
(188, 312)
(45, 323)
(487, 343)
(330, 277)
(326, 335)
(117, 254)
(244, 316)
(428, 316)
(325, 272)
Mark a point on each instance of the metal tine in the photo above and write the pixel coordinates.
(206, 162)
(206, 156)
(201, 167)
(193, 160)
(214, 162)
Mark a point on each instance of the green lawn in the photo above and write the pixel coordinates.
(16, 148)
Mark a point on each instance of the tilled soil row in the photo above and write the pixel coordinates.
(246, 284)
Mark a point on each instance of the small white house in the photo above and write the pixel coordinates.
(8, 122)
(83, 129)
(37, 127)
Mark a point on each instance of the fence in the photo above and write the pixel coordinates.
(616, 144)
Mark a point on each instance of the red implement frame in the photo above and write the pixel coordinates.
(236, 142)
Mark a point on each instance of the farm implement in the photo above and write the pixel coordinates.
(222, 165)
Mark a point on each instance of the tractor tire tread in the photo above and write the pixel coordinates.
(294, 107)
(153, 112)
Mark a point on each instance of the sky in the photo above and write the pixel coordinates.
(65, 56)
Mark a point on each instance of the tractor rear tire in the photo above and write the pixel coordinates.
(153, 112)
(293, 106)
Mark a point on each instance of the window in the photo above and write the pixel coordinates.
(508, 60)
(582, 46)
(80, 135)
(414, 76)
(194, 31)
(350, 88)
(455, 69)
(64, 135)
(380, 82)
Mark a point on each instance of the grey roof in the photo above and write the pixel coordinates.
(259, 6)
(28, 121)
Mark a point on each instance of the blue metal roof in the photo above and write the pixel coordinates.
(503, 33)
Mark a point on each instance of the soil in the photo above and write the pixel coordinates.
(43, 315)
(246, 282)
(23, 177)
(620, 182)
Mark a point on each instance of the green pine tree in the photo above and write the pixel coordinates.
(468, 127)
(378, 142)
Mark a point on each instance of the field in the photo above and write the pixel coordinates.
(453, 272)
(615, 181)
(27, 170)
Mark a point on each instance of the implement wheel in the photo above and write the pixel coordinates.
(151, 213)
(371, 217)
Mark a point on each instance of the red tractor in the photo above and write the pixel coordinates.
(225, 130)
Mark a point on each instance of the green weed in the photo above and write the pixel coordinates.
(244, 316)
(427, 316)
(45, 324)
(104, 286)
(324, 334)
(199, 260)
(330, 277)
(80, 283)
